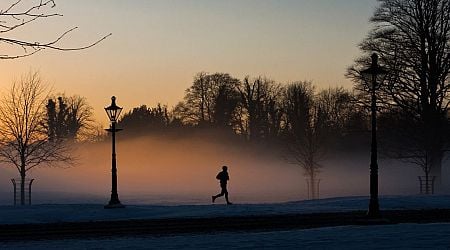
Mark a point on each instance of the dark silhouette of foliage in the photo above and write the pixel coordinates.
(261, 110)
(68, 118)
(225, 106)
(337, 103)
(144, 120)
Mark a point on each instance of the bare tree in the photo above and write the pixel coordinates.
(211, 100)
(22, 13)
(23, 139)
(337, 104)
(412, 38)
(307, 132)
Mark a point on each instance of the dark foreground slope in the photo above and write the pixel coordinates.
(213, 224)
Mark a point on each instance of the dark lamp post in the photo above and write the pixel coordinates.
(375, 74)
(113, 112)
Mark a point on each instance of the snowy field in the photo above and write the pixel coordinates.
(96, 212)
(403, 236)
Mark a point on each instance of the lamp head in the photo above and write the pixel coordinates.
(375, 72)
(113, 111)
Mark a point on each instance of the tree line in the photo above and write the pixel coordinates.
(256, 109)
(296, 119)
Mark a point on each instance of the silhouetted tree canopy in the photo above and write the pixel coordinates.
(261, 108)
(146, 120)
(210, 101)
(69, 118)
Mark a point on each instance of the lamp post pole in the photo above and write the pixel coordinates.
(373, 72)
(114, 194)
(374, 208)
(113, 111)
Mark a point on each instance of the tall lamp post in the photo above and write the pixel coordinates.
(113, 112)
(374, 73)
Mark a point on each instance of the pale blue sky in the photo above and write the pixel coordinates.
(157, 46)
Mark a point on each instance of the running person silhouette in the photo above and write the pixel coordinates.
(223, 179)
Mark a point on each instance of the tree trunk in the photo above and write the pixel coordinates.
(22, 188)
(436, 168)
(427, 182)
(23, 173)
(434, 131)
(313, 188)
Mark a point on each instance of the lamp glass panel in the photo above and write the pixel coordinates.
(368, 74)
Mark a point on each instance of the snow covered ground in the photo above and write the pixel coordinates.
(402, 236)
(96, 212)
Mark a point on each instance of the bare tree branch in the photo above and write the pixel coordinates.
(13, 18)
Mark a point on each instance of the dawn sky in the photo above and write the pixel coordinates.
(156, 47)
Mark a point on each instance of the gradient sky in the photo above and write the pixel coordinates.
(158, 45)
